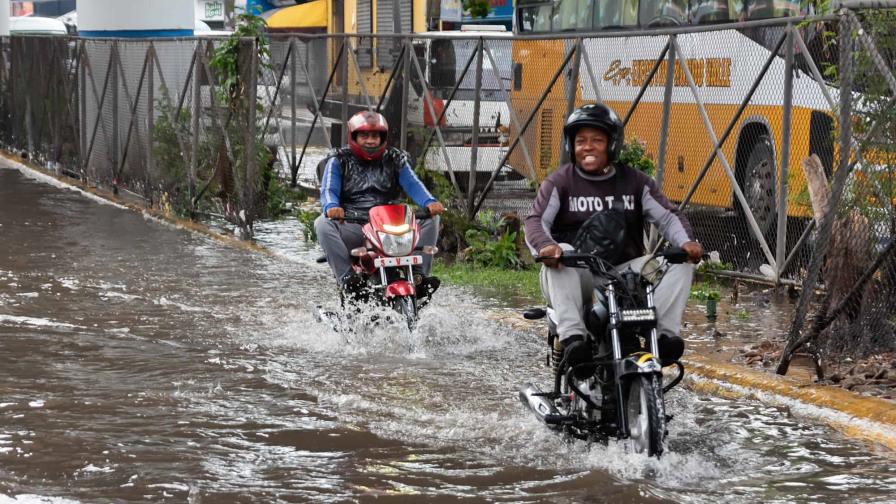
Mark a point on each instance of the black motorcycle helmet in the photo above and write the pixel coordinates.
(595, 115)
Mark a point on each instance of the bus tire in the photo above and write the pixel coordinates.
(757, 181)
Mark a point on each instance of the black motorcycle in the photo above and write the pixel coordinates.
(623, 395)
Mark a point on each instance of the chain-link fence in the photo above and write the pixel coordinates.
(147, 119)
(742, 122)
(853, 249)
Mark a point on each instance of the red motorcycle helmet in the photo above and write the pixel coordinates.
(367, 121)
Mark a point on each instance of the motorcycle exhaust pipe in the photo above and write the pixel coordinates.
(544, 409)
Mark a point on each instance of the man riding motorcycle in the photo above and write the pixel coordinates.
(595, 201)
(358, 177)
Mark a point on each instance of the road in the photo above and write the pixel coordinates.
(143, 363)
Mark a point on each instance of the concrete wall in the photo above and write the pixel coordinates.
(136, 18)
(4, 18)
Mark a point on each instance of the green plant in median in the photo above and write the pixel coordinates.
(484, 250)
(516, 283)
(306, 219)
(705, 292)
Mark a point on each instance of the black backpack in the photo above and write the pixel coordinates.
(603, 234)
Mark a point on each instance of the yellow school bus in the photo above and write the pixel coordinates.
(724, 64)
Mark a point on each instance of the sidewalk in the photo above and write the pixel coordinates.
(852, 414)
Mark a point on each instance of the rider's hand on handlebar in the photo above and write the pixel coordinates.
(550, 255)
(336, 213)
(694, 250)
(435, 208)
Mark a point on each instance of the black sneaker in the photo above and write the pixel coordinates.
(426, 286)
(671, 348)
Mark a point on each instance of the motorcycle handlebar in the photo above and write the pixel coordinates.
(674, 255)
(363, 218)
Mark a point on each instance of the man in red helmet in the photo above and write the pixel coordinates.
(365, 174)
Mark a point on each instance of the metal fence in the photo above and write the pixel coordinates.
(737, 118)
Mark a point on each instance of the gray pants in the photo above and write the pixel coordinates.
(338, 238)
(567, 289)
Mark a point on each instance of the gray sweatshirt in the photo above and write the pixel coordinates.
(569, 196)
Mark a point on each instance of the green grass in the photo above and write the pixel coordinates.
(519, 285)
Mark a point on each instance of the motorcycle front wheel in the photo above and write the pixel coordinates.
(406, 306)
(646, 414)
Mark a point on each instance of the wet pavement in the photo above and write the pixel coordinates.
(143, 363)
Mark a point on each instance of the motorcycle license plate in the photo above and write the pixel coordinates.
(413, 260)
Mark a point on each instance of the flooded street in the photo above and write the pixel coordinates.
(143, 363)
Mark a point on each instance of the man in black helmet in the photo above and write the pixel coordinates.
(594, 181)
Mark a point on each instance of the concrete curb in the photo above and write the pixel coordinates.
(855, 415)
(38, 172)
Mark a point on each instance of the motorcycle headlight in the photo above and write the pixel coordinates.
(397, 245)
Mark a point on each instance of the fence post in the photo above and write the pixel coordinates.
(251, 135)
(781, 246)
(572, 87)
(405, 92)
(292, 104)
(343, 79)
(114, 68)
(150, 114)
(667, 111)
(474, 152)
(82, 96)
(664, 133)
(194, 124)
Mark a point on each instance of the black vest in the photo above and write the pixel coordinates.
(366, 184)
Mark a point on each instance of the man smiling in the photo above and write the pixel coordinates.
(596, 182)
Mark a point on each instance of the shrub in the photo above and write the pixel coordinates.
(486, 251)
(306, 219)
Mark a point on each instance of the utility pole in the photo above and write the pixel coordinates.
(229, 7)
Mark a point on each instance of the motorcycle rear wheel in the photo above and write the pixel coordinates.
(407, 306)
(646, 415)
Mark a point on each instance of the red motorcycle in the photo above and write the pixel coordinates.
(386, 261)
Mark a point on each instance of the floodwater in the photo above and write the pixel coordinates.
(141, 363)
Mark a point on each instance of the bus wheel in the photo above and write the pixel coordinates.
(758, 184)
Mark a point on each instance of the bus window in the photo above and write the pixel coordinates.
(442, 64)
(764, 9)
(712, 11)
(534, 17)
(616, 13)
(572, 15)
(662, 12)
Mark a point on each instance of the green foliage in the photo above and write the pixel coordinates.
(477, 8)
(226, 58)
(490, 221)
(170, 161)
(713, 267)
(307, 218)
(437, 183)
(705, 292)
(742, 314)
(484, 250)
(499, 282)
(634, 154)
(278, 196)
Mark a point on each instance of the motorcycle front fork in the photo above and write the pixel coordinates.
(408, 274)
(619, 380)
